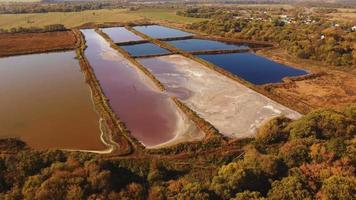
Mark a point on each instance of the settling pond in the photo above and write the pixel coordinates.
(161, 32)
(121, 34)
(46, 102)
(253, 68)
(149, 114)
(204, 45)
(144, 49)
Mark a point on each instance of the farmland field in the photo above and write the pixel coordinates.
(23, 43)
(73, 19)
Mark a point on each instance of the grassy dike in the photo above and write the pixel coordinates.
(116, 133)
(291, 103)
(210, 131)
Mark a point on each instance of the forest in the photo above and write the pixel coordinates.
(302, 35)
(310, 158)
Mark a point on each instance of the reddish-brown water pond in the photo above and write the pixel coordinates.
(149, 114)
(45, 101)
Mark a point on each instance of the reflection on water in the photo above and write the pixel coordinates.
(148, 113)
(121, 34)
(157, 31)
(45, 101)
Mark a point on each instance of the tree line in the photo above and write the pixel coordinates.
(18, 8)
(47, 28)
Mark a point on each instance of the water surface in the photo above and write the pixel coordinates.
(253, 68)
(204, 45)
(148, 113)
(45, 101)
(157, 31)
(121, 34)
(144, 49)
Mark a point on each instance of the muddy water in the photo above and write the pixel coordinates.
(45, 101)
(149, 114)
(235, 110)
(121, 34)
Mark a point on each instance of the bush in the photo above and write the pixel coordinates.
(289, 188)
(294, 153)
(322, 124)
(273, 131)
(248, 195)
(350, 110)
(234, 178)
(338, 187)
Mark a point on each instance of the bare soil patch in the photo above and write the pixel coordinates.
(26, 43)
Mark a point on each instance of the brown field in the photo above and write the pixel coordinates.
(344, 14)
(331, 89)
(26, 43)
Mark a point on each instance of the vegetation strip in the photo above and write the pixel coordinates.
(220, 51)
(177, 38)
(123, 144)
(201, 123)
(131, 42)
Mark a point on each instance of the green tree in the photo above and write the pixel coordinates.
(290, 188)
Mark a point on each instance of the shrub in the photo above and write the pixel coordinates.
(322, 124)
(294, 153)
(350, 111)
(234, 178)
(273, 131)
(338, 187)
(289, 188)
(248, 195)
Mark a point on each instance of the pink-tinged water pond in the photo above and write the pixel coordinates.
(149, 114)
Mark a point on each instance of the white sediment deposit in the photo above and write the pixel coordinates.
(235, 110)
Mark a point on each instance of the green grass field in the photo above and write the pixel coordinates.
(73, 19)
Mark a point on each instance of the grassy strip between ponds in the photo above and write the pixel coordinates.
(177, 38)
(119, 136)
(132, 42)
(220, 51)
(290, 102)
